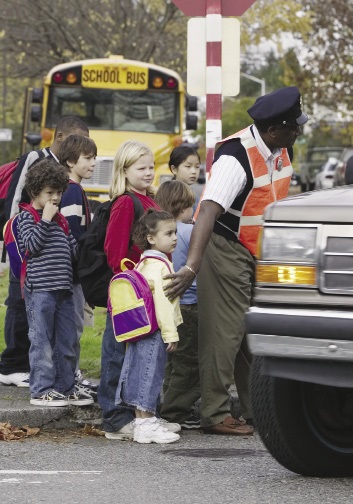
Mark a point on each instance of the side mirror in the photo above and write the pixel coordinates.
(191, 122)
(191, 103)
(33, 138)
(36, 113)
(37, 95)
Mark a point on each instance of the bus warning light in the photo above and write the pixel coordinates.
(171, 83)
(58, 77)
(157, 82)
(71, 78)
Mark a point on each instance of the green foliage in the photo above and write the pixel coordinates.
(91, 340)
(235, 116)
(36, 35)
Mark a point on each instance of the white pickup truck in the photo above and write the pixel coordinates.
(300, 332)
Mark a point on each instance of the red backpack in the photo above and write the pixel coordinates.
(17, 258)
(6, 172)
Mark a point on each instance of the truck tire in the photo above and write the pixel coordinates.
(307, 428)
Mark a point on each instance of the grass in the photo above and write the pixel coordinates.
(91, 340)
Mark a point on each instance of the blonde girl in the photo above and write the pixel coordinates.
(133, 172)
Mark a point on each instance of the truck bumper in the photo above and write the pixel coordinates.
(303, 344)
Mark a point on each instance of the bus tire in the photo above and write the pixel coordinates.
(307, 428)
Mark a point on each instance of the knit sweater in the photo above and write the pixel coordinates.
(49, 265)
(167, 312)
(117, 244)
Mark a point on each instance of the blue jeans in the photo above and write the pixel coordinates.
(79, 302)
(14, 358)
(113, 353)
(142, 374)
(53, 337)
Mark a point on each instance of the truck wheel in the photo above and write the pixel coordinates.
(308, 428)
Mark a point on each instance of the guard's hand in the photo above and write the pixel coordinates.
(181, 281)
(49, 211)
(171, 347)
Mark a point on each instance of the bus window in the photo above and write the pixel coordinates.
(144, 111)
(118, 100)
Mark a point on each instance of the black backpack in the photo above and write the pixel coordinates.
(92, 267)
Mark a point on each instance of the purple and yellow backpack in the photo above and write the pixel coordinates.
(130, 303)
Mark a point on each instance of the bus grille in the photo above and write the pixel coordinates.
(337, 271)
(102, 173)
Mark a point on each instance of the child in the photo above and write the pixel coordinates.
(133, 171)
(48, 291)
(181, 384)
(78, 154)
(143, 369)
(184, 163)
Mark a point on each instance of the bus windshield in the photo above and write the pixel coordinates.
(117, 110)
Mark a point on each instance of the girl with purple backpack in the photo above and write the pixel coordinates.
(143, 369)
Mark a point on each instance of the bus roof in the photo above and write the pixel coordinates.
(114, 59)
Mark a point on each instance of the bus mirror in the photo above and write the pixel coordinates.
(33, 138)
(191, 122)
(191, 103)
(36, 113)
(37, 95)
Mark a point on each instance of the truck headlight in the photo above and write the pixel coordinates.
(287, 256)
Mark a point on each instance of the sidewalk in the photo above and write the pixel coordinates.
(16, 409)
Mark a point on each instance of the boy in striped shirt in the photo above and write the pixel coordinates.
(48, 291)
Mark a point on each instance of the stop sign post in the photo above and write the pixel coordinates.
(213, 10)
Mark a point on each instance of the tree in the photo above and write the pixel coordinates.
(40, 34)
(328, 58)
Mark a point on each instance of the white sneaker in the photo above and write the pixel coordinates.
(172, 427)
(149, 430)
(126, 433)
(18, 379)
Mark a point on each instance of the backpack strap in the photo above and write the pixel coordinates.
(138, 207)
(85, 203)
(58, 218)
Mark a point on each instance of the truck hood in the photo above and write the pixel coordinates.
(330, 205)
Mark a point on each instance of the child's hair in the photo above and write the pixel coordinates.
(148, 225)
(127, 154)
(180, 154)
(175, 196)
(67, 124)
(75, 145)
(46, 173)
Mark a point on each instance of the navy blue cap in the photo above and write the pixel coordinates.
(279, 107)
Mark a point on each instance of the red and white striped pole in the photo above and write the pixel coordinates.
(213, 78)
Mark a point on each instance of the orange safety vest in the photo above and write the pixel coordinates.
(262, 192)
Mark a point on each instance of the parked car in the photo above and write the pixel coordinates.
(339, 176)
(324, 179)
(300, 331)
(315, 158)
(295, 185)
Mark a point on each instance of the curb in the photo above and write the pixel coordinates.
(16, 409)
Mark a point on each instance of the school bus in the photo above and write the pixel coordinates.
(119, 100)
